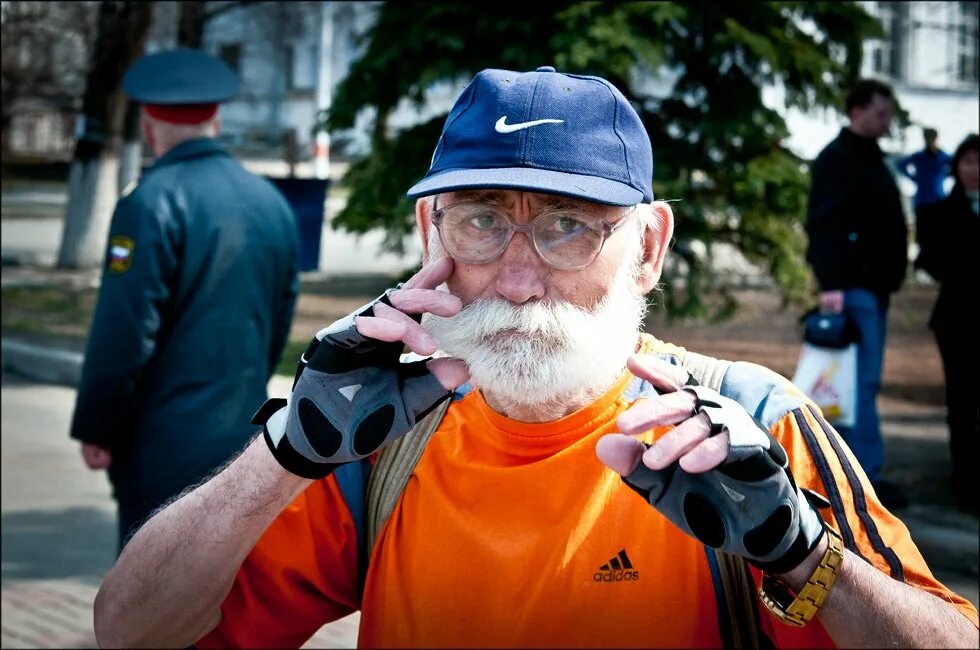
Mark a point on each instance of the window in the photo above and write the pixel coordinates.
(888, 55)
(231, 54)
(966, 61)
(301, 70)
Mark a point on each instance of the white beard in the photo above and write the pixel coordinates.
(539, 352)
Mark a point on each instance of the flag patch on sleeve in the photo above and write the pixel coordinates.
(120, 254)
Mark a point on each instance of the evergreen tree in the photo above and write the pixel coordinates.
(695, 72)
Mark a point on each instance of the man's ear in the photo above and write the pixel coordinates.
(146, 128)
(423, 219)
(656, 240)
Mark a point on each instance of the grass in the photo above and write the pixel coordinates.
(290, 357)
(54, 311)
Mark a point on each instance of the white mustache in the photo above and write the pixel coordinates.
(541, 351)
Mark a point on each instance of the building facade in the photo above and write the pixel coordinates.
(929, 56)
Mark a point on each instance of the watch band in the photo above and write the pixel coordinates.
(799, 610)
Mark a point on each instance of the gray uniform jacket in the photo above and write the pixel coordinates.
(197, 297)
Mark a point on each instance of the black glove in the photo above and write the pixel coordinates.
(749, 505)
(351, 395)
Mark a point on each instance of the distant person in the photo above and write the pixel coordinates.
(858, 252)
(197, 297)
(949, 237)
(927, 169)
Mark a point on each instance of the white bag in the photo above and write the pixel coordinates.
(828, 376)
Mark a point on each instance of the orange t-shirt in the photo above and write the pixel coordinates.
(514, 534)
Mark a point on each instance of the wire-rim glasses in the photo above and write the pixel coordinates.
(565, 239)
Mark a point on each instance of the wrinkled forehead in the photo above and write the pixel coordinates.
(508, 198)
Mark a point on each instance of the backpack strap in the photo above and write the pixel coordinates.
(707, 370)
(738, 615)
(392, 470)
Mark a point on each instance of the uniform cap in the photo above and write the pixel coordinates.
(180, 77)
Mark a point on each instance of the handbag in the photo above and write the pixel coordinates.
(829, 330)
(827, 368)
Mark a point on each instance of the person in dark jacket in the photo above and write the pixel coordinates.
(196, 301)
(948, 233)
(858, 252)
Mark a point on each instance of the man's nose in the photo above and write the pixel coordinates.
(521, 274)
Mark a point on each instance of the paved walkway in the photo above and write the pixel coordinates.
(58, 526)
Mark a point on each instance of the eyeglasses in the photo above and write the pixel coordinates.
(566, 239)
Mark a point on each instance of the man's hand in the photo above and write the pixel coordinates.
(96, 457)
(831, 302)
(718, 475)
(352, 394)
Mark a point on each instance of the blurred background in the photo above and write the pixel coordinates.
(738, 98)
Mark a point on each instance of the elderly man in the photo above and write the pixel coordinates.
(538, 216)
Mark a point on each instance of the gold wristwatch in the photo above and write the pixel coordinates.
(778, 598)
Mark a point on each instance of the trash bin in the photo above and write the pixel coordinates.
(308, 199)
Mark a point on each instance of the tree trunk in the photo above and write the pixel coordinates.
(190, 24)
(131, 160)
(93, 177)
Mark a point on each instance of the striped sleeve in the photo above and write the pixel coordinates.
(822, 462)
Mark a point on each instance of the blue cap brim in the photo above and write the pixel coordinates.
(546, 181)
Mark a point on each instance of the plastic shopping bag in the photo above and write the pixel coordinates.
(829, 377)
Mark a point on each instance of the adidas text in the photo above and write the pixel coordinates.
(615, 576)
(618, 569)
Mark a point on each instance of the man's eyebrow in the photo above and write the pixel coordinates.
(495, 197)
(546, 202)
(564, 203)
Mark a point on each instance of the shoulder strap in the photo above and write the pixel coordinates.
(733, 572)
(707, 370)
(392, 469)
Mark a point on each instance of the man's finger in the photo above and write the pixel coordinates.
(421, 301)
(677, 442)
(390, 331)
(647, 413)
(706, 456)
(431, 275)
(413, 330)
(662, 374)
(620, 453)
(451, 373)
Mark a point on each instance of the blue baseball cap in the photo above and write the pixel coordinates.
(183, 76)
(543, 131)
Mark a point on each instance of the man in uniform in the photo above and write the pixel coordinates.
(197, 297)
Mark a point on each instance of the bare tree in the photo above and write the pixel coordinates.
(93, 177)
(45, 47)
(191, 21)
(195, 14)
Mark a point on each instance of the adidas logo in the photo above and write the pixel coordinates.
(618, 569)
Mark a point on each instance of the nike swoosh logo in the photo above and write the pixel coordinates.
(502, 127)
